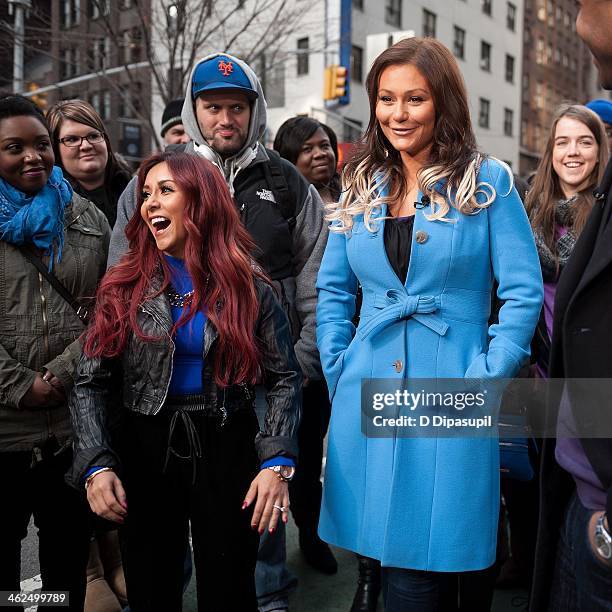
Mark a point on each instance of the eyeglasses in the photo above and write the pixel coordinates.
(77, 141)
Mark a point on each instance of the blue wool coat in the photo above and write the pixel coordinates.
(423, 503)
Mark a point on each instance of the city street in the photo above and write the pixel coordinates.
(315, 592)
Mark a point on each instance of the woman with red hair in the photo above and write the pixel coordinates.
(185, 325)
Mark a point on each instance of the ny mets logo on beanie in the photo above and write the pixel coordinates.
(221, 73)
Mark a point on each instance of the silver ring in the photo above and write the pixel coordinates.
(281, 508)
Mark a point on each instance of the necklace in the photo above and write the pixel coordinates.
(178, 299)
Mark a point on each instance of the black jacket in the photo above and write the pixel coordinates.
(581, 348)
(145, 369)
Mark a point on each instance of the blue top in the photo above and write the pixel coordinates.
(188, 353)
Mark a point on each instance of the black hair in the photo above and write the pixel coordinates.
(292, 135)
(14, 105)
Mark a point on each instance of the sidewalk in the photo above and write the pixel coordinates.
(319, 593)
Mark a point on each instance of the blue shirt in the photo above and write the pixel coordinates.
(188, 362)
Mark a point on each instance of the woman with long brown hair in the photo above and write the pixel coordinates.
(186, 324)
(559, 202)
(425, 225)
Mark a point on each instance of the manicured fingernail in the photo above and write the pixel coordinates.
(253, 526)
(244, 505)
(261, 531)
(272, 529)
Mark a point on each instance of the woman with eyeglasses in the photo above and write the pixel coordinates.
(83, 151)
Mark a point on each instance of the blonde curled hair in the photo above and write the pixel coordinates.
(454, 157)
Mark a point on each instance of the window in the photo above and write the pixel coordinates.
(509, 69)
(357, 64)
(429, 24)
(272, 81)
(106, 105)
(485, 56)
(70, 13)
(302, 56)
(487, 7)
(540, 57)
(358, 4)
(484, 109)
(131, 45)
(508, 121)
(511, 17)
(99, 7)
(99, 54)
(70, 63)
(459, 42)
(539, 95)
(393, 12)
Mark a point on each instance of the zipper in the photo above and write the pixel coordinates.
(45, 320)
(172, 348)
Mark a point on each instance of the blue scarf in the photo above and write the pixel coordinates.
(37, 219)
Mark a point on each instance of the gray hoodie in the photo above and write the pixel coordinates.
(309, 234)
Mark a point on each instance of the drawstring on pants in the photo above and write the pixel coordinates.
(193, 442)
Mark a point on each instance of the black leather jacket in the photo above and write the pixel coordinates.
(145, 369)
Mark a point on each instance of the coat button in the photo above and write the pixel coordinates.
(398, 365)
(421, 237)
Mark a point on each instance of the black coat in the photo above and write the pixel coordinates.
(144, 371)
(581, 348)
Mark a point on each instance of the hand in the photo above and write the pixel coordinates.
(54, 381)
(269, 491)
(106, 497)
(44, 394)
(592, 522)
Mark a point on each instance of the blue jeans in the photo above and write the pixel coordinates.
(406, 590)
(273, 581)
(581, 582)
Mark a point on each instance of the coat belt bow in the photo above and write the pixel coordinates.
(396, 305)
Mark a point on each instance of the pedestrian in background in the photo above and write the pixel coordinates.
(172, 128)
(573, 569)
(425, 225)
(83, 150)
(51, 237)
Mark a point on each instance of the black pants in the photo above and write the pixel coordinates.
(161, 503)
(61, 515)
(305, 489)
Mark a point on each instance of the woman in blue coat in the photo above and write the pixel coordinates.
(426, 225)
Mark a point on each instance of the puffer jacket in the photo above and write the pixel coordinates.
(39, 329)
(144, 371)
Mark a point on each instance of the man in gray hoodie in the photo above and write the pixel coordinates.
(224, 113)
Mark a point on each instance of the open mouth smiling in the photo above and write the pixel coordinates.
(159, 224)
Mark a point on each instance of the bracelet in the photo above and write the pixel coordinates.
(91, 476)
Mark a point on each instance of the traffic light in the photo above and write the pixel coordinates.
(339, 82)
(334, 83)
(39, 99)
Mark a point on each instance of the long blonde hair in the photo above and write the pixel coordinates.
(454, 157)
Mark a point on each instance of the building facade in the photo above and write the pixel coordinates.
(557, 68)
